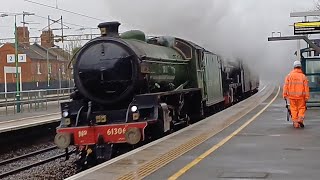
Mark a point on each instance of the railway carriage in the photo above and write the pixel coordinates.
(131, 90)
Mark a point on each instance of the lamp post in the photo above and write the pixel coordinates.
(48, 76)
(16, 61)
(16, 54)
(59, 78)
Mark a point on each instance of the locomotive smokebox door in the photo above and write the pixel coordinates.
(109, 77)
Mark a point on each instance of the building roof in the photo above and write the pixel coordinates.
(62, 55)
(38, 52)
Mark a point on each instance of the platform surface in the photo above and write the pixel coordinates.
(268, 148)
(164, 157)
(29, 119)
(26, 119)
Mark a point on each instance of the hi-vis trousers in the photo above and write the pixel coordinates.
(298, 109)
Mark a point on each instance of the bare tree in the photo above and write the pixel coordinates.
(74, 44)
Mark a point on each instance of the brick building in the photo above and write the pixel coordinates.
(38, 64)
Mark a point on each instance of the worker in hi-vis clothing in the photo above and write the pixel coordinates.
(296, 89)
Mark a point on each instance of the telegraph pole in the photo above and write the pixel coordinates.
(24, 22)
(61, 30)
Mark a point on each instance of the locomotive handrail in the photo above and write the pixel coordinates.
(167, 59)
(160, 62)
(170, 92)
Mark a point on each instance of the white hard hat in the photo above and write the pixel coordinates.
(297, 64)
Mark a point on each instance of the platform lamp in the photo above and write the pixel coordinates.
(16, 52)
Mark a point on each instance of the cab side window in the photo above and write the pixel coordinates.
(184, 48)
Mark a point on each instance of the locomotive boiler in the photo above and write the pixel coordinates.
(110, 69)
(131, 89)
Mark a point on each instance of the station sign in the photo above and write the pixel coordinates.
(301, 28)
(21, 58)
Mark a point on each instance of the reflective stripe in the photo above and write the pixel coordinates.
(291, 83)
(296, 85)
(297, 93)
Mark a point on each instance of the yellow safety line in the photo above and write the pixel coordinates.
(221, 143)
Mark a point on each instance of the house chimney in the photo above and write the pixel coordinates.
(47, 40)
(23, 36)
(109, 29)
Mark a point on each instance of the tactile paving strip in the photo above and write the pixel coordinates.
(151, 166)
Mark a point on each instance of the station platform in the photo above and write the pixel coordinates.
(250, 140)
(27, 122)
(267, 148)
(9, 113)
(30, 119)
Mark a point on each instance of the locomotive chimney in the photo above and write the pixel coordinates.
(110, 29)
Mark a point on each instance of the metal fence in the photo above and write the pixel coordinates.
(32, 100)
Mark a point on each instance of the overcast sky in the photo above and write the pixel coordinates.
(232, 28)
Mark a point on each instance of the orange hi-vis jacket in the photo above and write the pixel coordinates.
(296, 85)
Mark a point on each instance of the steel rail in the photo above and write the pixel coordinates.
(35, 164)
(27, 155)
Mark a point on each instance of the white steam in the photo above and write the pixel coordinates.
(231, 28)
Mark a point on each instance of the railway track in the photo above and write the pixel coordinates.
(34, 163)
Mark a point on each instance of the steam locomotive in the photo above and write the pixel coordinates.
(131, 89)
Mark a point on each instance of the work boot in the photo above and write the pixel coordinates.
(301, 123)
(296, 125)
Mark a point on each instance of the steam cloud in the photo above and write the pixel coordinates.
(233, 29)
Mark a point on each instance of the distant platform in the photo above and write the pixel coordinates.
(21, 122)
